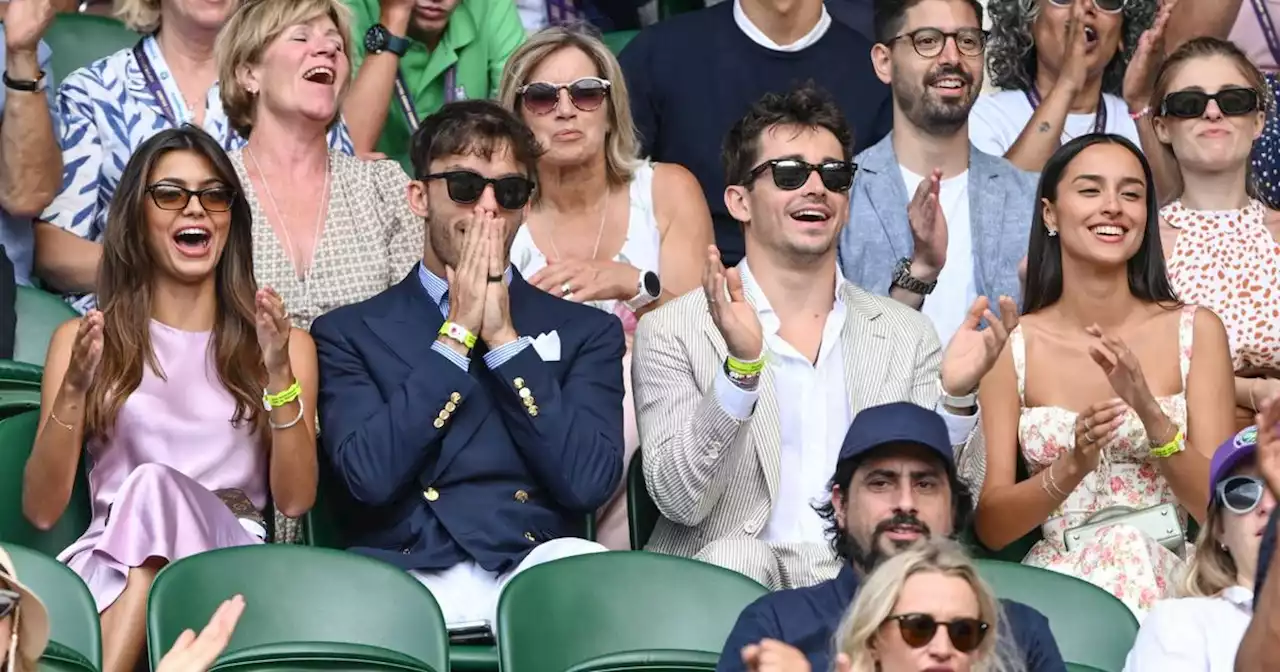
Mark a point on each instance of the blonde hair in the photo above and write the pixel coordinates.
(247, 35)
(880, 592)
(1212, 569)
(142, 16)
(621, 145)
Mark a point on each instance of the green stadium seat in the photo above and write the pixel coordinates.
(17, 436)
(618, 40)
(620, 610)
(39, 314)
(1092, 627)
(80, 39)
(642, 513)
(305, 609)
(75, 638)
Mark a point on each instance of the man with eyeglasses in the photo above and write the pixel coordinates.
(473, 421)
(894, 484)
(744, 389)
(936, 223)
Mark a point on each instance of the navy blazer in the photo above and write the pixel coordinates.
(441, 465)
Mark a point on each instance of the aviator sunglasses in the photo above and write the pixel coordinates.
(1192, 104)
(918, 630)
(1104, 6)
(8, 602)
(173, 197)
(466, 187)
(791, 174)
(586, 94)
(1241, 494)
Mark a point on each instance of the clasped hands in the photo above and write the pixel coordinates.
(478, 298)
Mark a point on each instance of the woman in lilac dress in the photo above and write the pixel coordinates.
(165, 388)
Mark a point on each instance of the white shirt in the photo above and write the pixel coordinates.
(997, 119)
(1193, 634)
(814, 416)
(758, 36)
(949, 303)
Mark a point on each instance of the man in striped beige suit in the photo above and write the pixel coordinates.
(738, 446)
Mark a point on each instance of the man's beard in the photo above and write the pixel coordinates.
(867, 559)
(932, 115)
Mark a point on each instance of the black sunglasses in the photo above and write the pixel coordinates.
(466, 187)
(929, 42)
(8, 602)
(919, 629)
(791, 174)
(173, 197)
(1192, 104)
(586, 94)
(1241, 494)
(1104, 6)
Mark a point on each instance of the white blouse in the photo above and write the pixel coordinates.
(1193, 634)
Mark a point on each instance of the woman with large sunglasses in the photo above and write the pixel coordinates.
(1201, 631)
(1211, 104)
(604, 229)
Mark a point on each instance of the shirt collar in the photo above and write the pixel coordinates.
(437, 287)
(1240, 596)
(758, 36)
(769, 320)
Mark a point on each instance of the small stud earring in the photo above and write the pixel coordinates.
(1053, 233)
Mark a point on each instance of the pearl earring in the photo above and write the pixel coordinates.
(1053, 233)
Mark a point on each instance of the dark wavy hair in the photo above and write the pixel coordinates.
(125, 289)
(1148, 279)
(1011, 48)
(846, 547)
(806, 106)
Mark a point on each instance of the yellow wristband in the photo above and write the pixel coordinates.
(459, 333)
(752, 368)
(1177, 445)
(270, 401)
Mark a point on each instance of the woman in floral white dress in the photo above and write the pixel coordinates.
(1111, 390)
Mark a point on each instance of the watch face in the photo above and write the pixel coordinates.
(652, 284)
(376, 39)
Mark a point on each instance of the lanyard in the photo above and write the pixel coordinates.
(153, 82)
(1099, 117)
(1268, 28)
(452, 93)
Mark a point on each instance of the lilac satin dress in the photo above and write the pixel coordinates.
(152, 481)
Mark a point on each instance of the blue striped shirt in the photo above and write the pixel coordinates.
(438, 289)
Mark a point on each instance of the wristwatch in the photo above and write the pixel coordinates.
(36, 85)
(902, 278)
(650, 288)
(379, 39)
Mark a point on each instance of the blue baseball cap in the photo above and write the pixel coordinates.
(899, 422)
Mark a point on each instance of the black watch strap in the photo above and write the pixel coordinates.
(397, 45)
(902, 278)
(30, 85)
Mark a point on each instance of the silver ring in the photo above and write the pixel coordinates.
(566, 289)
(1087, 426)
(1088, 437)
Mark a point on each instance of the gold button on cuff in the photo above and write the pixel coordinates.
(522, 496)
(533, 411)
(431, 494)
(528, 401)
(450, 406)
(519, 383)
(444, 415)
(526, 393)
(438, 423)
(455, 398)
(529, 536)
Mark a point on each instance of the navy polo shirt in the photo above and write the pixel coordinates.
(807, 618)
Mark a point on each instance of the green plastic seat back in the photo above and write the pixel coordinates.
(1092, 627)
(39, 314)
(80, 39)
(642, 513)
(584, 613)
(618, 40)
(316, 606)
(74, 632)
(17, 435)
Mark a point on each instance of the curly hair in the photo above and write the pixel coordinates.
(1011, 55)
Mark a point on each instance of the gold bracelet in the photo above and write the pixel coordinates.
(53, 417)
(1054, 482)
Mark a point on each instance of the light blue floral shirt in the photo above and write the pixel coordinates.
(106, 112)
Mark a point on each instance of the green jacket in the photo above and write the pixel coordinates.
(480, 36)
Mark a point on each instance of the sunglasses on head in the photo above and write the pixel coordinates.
(791, 174)
(586, 94)
(173, 197)
(919, 629)
(1241, 494)
(1104, 6)
(1192, 104)
(466, 187)
(8, 602)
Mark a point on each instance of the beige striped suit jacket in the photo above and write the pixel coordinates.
(715, 478)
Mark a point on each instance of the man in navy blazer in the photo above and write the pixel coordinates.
(473, 420)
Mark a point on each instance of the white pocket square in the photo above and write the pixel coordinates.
(548, 346)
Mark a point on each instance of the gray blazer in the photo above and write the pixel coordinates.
(1002, 200)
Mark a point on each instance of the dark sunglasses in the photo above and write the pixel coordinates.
(1241, 494)
(466, 187)
(8, 602)
(929, 42)
(173, 197)
(586, 94)
(1192, 104)
(791, 174)
(1104, 6)
(919, 629)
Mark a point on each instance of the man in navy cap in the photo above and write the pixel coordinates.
(895, 483)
